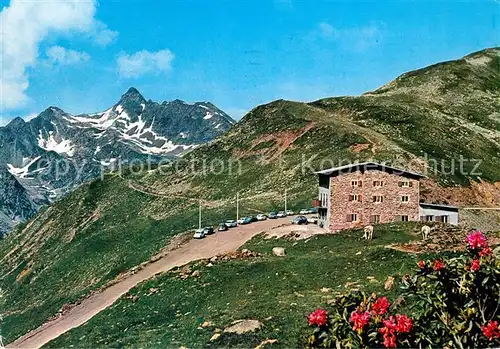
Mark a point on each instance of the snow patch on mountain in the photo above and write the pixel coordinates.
(23, 172)
(51, 144)
(208, 115)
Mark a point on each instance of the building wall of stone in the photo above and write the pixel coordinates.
(390, 210)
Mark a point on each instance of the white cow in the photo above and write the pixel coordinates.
(368, 232)
(426, 230)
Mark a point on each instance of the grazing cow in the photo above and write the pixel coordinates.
(368, 232)
(426, 230)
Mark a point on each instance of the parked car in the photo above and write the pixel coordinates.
(244, 220)
(299, 220)
(222, 227)
(313, 210)
(253, 218)
(261, 217)
(272, 215)
(231, 223)
(305, 211)
(289, 213)
(199, 234)
(208, 230)
(281, 214)
(313, 219)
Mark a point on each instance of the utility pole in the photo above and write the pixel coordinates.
(199, 218)
(237, 206)
(285, 200)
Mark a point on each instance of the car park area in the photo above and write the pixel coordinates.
(287, 216)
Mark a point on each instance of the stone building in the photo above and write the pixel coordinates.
(369, 193)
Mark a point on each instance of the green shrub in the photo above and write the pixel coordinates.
(451, 303)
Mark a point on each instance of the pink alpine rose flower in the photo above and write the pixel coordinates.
(404, 323)
(319, 317)
(380, 306)
(476, 240)
(438, 265)
(491, 331)
(476, 264)
(360, 320)
(487, 251)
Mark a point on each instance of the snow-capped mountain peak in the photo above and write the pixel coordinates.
(133, 128)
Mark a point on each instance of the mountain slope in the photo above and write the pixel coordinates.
(108, 226)
(56, 151)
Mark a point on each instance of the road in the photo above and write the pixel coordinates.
(219, 243)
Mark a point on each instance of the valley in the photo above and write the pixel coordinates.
(422, 121)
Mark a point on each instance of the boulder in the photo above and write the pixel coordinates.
(389, 283)
(215, 337)
(243, 326)
(279, 251)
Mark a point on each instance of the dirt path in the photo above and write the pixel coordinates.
(221, 242)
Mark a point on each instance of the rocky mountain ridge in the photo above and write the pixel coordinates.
(56, 151)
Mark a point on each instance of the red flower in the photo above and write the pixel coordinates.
(491, 330)
(380, 306)
(360, 319)
(388, 332)
(319, 317)
(476, 264)
(487, 251)
(404, 324)
(390, 323)
(421, 264)
(476, 239)
(438, 265)
(390, 339)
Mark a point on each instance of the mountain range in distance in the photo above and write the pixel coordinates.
(46, 157)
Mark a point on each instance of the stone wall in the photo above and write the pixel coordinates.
(391, 209)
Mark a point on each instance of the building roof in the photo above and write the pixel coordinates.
(368, 166)
(439, 206)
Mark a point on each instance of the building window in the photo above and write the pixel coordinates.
(324, 200)
(378, 198)
(405, 198)
(428, 218)
(405, 184)
(443, 219)
(356, 183)
(378, 183)
(355, 197)
(403, 218)
(353, 217)
(375, 219)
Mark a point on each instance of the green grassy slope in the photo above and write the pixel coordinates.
(106, 227)
(278, 291)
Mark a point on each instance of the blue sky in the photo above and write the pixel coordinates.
(237, 54)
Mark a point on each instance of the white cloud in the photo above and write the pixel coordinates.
(358, 38)
(63, 56)
(144, 62)
(23, 27)
(102, 35)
